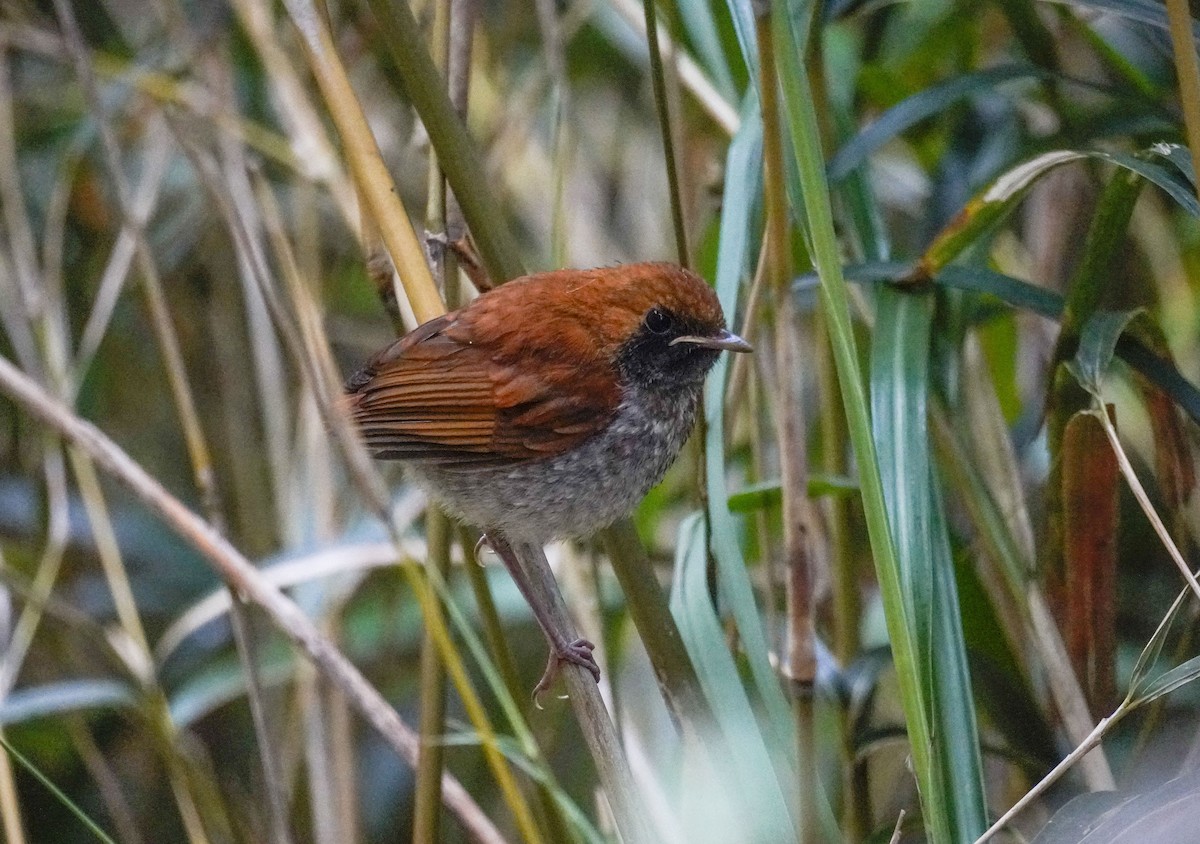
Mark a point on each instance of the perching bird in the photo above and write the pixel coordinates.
(547, 407)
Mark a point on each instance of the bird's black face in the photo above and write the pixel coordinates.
(670, 353)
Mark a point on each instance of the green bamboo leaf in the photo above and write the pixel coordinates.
(702, 632)
(920, 106)
(743, 188)
(743, 26)
(1161, 372)
(1012, 291)
(701, 26)
(995, 202)
(1139, 677)
(743, 184)
(1017, 293)
(1145, 11)
(1175, 183)
(1097, 345)
(1168, 682)
(768, 493)
(1032, 33)
(1177, 155)
(899, 395)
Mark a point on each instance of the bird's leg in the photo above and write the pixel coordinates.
(551, 616)
(468, 256)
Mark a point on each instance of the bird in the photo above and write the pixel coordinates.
(547, 407)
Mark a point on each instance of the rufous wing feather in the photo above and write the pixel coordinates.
(460, 392)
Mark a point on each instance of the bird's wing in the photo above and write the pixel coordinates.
(436, 396)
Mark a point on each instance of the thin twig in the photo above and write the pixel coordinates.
(594, 721)
(116, 271)
(790, 434)
(668, 140)
(691, 74)
(1061, 768)
(108, 783)
(1143, 500)
(10, 804)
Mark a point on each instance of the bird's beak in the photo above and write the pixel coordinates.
(724, 341)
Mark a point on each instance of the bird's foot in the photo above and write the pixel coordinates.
(463, 248)
(578, 653)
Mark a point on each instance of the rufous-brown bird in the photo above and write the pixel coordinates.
(547, 407)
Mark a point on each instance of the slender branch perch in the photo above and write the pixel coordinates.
(241, 575)
(594, 722)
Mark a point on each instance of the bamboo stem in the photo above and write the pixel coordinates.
(374, 182)
(428, 799)
(456, 154)
(1187, 70)
(597, 727)
(800, 663)
(664, 122)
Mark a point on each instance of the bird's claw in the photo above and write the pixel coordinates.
(578, 653)
(477, 554)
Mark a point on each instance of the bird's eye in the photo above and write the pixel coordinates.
(659, 321)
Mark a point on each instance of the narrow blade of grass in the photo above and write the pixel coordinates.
(899, 403)
(802, 119)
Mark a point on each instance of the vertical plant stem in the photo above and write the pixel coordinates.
(647, 606)
(110, 558)
(428, 798)
(789, 434)
(846, 599)
(664, 121)
(375, 186)
(1187, 71)
(318, 768)
(988, 485)
(798, 101)
(1091, 513)
(844, 576)
(552, 41)
(168, 342)
(548, 808)
(108, 783)
(456, 153)
(239, 620)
